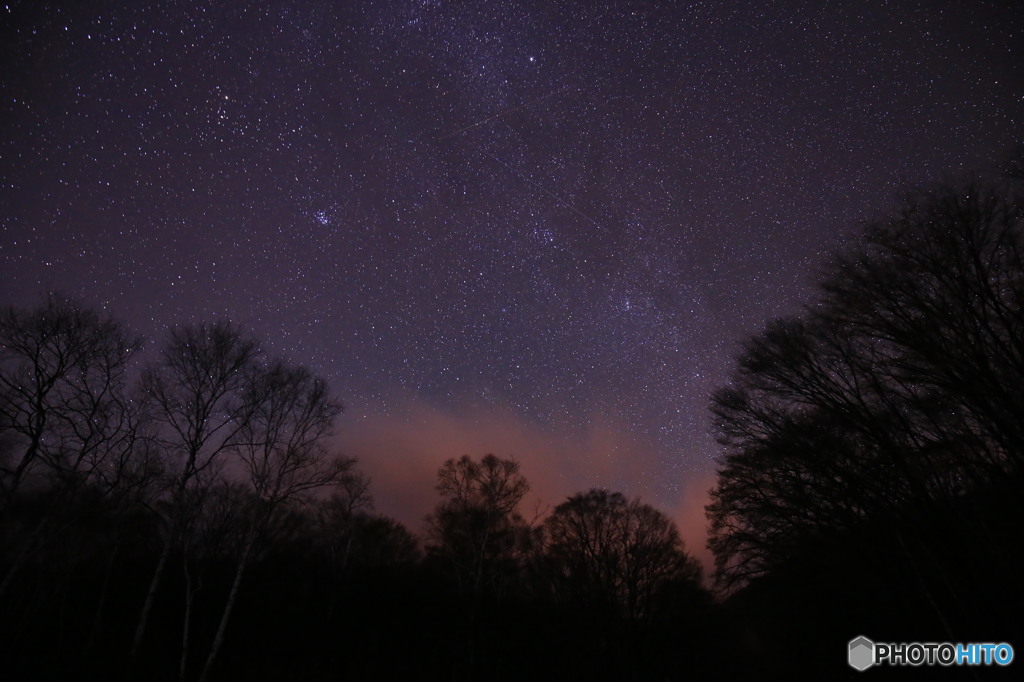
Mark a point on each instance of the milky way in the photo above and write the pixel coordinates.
(553, 216)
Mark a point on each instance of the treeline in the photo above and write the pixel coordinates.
(185, 519)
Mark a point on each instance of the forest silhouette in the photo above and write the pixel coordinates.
(184, 516)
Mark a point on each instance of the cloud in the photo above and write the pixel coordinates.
(689, 516)
(402, 451)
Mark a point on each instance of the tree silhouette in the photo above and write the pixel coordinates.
(290, 413)
(606, 550)
(64, 411)
(213, 530)
(197, 402)
(66, 419)
(476, 527)
(896, 392)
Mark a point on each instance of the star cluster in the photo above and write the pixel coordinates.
(569, 212)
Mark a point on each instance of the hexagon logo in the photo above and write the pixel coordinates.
(862, 653)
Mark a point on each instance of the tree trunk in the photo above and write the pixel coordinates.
(147, 605)
(229, 606)
(186, 634)
(97, 620)
(161, 564)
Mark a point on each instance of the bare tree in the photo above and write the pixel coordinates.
(285, 458)
(895, 393)
(66, 420)
(337, 519)
(214, 525)
(476, 526)
(63, 406)
(197, 400)
(604, 549)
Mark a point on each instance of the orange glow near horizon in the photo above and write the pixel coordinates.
(401, 454)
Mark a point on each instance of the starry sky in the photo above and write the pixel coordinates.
(534, 228)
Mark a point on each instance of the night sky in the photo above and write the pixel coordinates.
(538, 229)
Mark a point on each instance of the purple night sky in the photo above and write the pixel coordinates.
(538, 229)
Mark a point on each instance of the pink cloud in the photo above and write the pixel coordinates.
(689, 516)
(402, 452)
